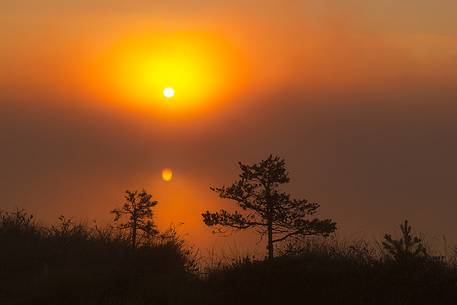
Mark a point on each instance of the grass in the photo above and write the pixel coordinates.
(73, 263)
(319, 272)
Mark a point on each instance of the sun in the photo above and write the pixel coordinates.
(167, 174)
(193, 69)
(168, 92)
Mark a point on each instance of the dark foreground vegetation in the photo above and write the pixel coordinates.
(70, 263)
(131, 263)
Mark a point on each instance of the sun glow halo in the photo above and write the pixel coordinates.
(138, 71)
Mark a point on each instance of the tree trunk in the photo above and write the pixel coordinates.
(134, 227)
(134, 236)
(270, 239)
(269, 223)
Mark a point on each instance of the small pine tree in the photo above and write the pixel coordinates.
(137, 208)
(266, 208)
(406, 248)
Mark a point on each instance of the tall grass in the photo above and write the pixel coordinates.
(73, 263)
(334, 272)
(76, 263)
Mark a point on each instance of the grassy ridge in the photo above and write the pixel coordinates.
(70, 263)
(343, 274)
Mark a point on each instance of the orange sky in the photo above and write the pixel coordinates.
(358, 96)
(317, 43)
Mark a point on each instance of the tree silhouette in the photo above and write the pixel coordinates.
(266, 208)
(405, 248)
(137, 208)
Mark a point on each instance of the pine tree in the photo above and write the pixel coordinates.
(266, 208)
(137, 208)
(406, 248)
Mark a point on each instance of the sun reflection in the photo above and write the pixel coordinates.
(167, 174)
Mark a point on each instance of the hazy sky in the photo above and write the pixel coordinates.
(358, 96)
